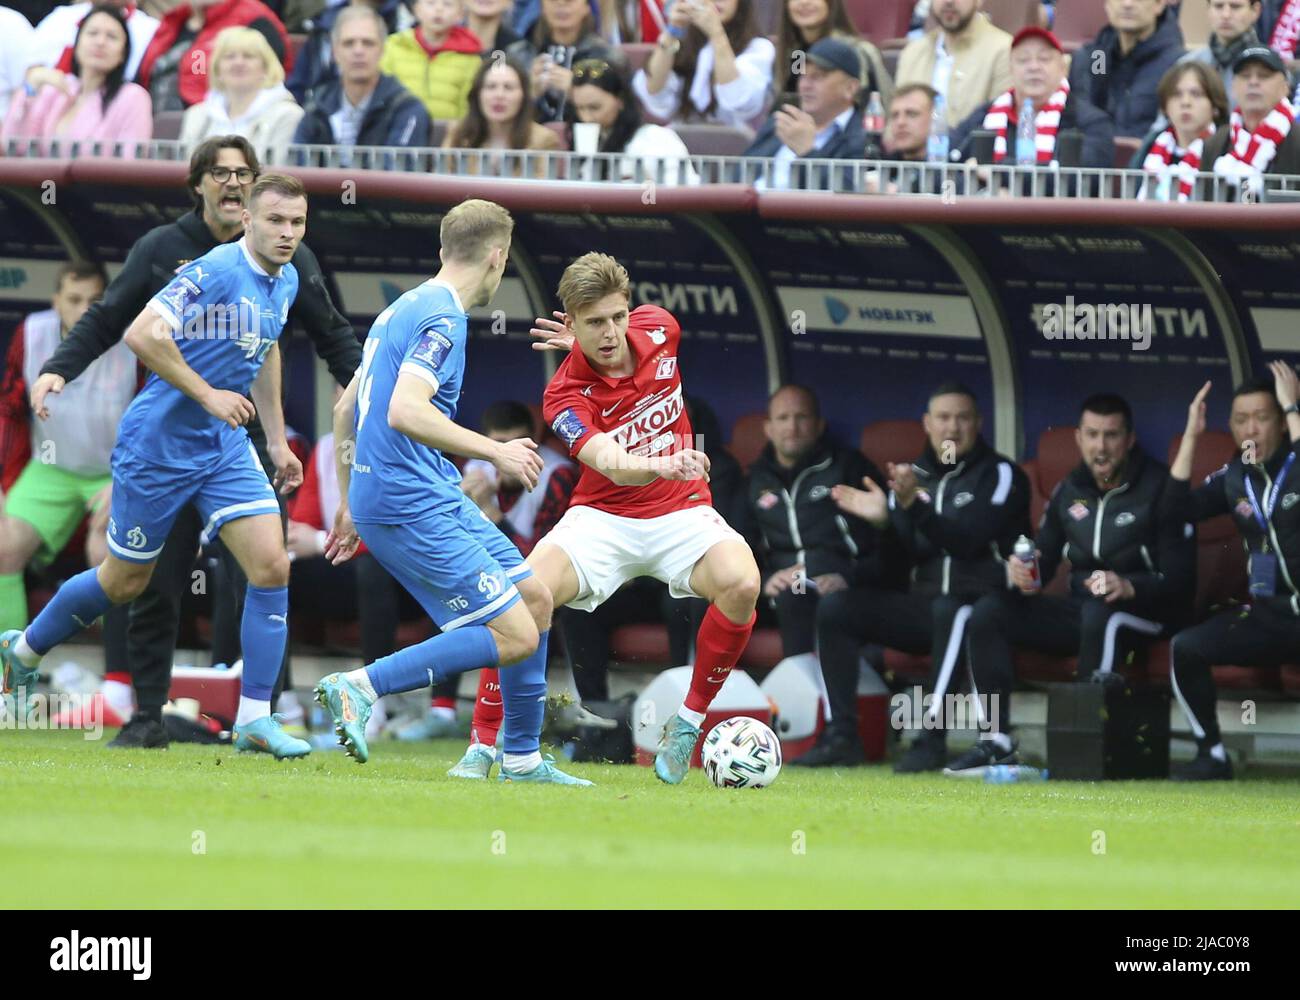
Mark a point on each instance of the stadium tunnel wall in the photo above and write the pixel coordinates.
(872, 301)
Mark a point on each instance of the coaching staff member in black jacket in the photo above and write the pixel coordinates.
(222, 170)
(957, 511)
(1132, 571)
(808, 546)
(1260, 488)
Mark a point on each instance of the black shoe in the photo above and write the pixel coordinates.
(1203, 767)
(833, 749)
(141, 733)
(984, 753)
(928, 752)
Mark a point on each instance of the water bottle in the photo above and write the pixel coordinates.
(937, 147)
(1026, 136)
(873, 119)
(1009, 774)
(1024, 551)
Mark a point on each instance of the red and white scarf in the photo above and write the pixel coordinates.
(1257, 149)
(1003, 115)
(1161, 159)
(1286, 31)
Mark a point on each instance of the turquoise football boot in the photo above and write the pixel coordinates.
(350, 710)
(17, 678)
(476, 764)
(675, 749)
(265, 735)
(545, 773)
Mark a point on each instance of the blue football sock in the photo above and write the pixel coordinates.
(523, 694)
(75, 606)
(263, 633)
(434, 660)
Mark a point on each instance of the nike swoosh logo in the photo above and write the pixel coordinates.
(712, 680)
(606, 413)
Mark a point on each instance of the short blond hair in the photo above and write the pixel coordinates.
(589, 279)
(251, 42)
(472, 229)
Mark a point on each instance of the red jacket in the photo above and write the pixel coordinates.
(15, 436)
(192, 73)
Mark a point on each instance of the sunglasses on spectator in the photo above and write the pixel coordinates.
(244, 175)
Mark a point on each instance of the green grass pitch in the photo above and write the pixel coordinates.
(206, 827)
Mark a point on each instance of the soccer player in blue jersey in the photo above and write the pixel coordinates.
(393, 429)
(209, 338)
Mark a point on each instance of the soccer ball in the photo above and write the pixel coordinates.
(741, 753)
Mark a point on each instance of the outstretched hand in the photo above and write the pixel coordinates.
(552, 334)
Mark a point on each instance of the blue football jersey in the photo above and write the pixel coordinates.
(225, 313)
(394, 477)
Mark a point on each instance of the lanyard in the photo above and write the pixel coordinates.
(1270, 498)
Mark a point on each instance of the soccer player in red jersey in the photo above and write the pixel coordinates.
(642, 506)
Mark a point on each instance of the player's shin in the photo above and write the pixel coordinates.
(431, 661)
(263, 633)
(523, 696)
(488, 708)
(74, 607)
(718, 646)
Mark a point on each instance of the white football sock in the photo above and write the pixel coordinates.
(251, 711)
(518, 763)
(1002, 741)
(361, 681)
(696, 719)
(443, 712)
(27, 656)
(1218, 753)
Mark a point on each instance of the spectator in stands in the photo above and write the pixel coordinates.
(619, 21)
(1038, 75)
(499, 115)
(1261, 137)
(907, 125)
(175, 67)
(825, 125)
(807, 548)
(1259, 488)
(56, 471)
(1121, 69)
(1193, 106)
(16, 47)
(247, 97)
(804, 22)
(1279, 27)
(527, 13)
(487, 20)
(603, 96)
(93, 103)
(315, 65)
(362, 107)
(563, 36)
(965, 59)
(1232, 32)
(1132, 558)
(51, 47)
(720, 71)
(957, 511)
(437, 59)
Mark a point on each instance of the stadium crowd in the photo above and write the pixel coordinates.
(1108, 82)
(855, 556)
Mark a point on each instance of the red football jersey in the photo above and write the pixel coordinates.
(644, 412)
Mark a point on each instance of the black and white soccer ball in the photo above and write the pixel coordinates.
(741, 753)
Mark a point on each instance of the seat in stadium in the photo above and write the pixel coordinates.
(438, 131)
(1078, 21)
(885, 441)
(882, 21)
(1012, 15)
(1126, 148)
(637, 54)
(167, 124)
(747, 438)
(715, 140)
(1057, 455)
